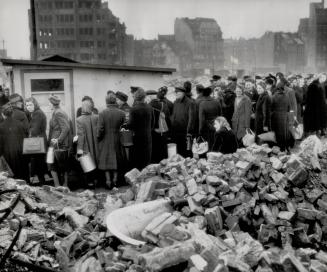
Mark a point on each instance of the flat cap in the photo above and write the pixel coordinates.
(123, 97)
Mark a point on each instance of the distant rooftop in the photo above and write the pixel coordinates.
(16, 62)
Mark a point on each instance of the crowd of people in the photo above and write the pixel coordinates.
(220, 114)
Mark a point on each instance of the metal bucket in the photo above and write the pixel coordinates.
(172, 150)
(87, 163)
(126, 138)
(50, 155)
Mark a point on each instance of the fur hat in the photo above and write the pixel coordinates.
(54, 100)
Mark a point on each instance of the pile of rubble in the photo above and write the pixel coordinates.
(258, 209)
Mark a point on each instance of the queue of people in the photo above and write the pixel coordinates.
(221, 114)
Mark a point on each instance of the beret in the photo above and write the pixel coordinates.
(123, 97)
(215, 77)
(232, 78)
(134, 89)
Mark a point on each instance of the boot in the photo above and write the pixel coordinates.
(115, 178)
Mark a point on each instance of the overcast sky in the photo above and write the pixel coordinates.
(147, 18)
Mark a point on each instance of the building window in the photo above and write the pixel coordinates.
(101, 44)
(41, 45)
(86, 44)
(101, 56)
(85, 17)
(47, 85)
(68, 5)
(85, 57)
(86, 31)
(45, 45)
(40, 33)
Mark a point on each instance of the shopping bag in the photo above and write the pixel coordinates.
(4, 167)
(200, 146)
(34, 145)
(297, 131)
(249, 138)
(268, 137)
(50, 155)
(126, 137)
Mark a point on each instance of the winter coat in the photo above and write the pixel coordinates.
(299, 91)
(262, 113)
(209, 110)
(314, 118)
(110, 150)
(292, 98)
(242, 117)
(12, 134)
(225, 141)
(87, 125)
(60, 128)
(228, 107)
(198, 100)
(38, 124)
(141, 122)
(21, 116)
(183, 117)
(169, 104)
(280, 118)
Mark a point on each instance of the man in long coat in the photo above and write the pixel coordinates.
(110, 150)
(12, 134)
(141, 122)
(182, 121)
(209, 110)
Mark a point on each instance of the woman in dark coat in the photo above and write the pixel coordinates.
(242, 113)
(209, 110)
(262, 110)
(225, 140)
(314, 118)
(159, 139)
(141, 122)
(110, 151)
(280, 118)
(12, 134)
(37, 128)
(87, 142)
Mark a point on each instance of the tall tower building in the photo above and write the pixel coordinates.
(82, 30)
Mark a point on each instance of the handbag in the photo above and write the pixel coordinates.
(163, 127)
(249, 138)
(200, 146)
(269, 136)
(126, 137)
(297, 131)
(34, 145)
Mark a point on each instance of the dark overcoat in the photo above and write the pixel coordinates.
(37, 128)
(87, 125)
(60, 128)
(314, 118)
(209, 110)
(141, 122)
(228, 107)
(242, 117)
(183, 117)
(280, 108)
(225, 141)
(182, 122)
(12, 134)
(21, 116)
(299, 92)
(110, 150)
(262, 113)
